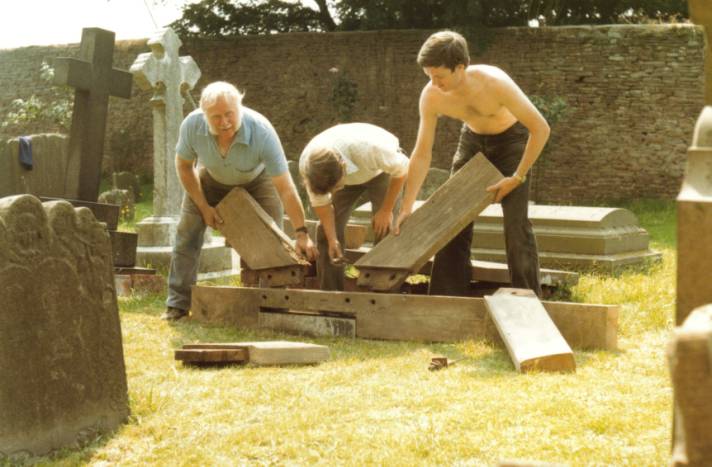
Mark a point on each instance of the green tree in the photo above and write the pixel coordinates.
(230, 18)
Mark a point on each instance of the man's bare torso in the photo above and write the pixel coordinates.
(476, 103)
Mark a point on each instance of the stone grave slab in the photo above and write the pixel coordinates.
(454, 205)
(61, 353)
(690, 360)
(532, 339)
(263, 247)
(256, 353)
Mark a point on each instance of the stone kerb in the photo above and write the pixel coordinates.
(61, 356)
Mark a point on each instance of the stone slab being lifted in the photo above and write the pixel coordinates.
(532, 339)
(256, 353)
(258, 240)
(454, 205)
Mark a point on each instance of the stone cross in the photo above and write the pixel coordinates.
(168, 75)
(701, 13)
(95, 80)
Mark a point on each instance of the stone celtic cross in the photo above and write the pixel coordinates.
(169, 76)
(95, 79)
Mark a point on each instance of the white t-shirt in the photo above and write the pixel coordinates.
(368, 151)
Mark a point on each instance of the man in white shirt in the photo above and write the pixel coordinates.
(337, 166)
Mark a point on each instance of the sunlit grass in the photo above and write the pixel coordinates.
(376, 403)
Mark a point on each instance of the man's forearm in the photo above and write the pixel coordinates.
(535, 145)
(394, 187)
(417, 170)
(191, 183)
(294, 209)
(328, 223)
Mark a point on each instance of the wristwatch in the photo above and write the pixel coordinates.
(302, 229)
(521, 178)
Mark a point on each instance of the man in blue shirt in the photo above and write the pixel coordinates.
(236, 146)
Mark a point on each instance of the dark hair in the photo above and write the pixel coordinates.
(323, 171)
(444, 48)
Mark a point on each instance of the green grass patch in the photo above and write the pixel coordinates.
(376, 403)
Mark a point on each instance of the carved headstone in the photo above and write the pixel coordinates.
(49, 174)
(61, 356)
(122, 198)
(694, 222)
(169, 77)
(127, 181)
(95, 80)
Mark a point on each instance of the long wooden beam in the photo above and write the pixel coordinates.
(401, 317)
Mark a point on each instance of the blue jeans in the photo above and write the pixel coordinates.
(191, 232)
(452, 269)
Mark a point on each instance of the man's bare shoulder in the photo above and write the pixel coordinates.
(487, 73)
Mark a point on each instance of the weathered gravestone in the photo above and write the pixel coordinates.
(95, 80)
(169, 76)
(61, 356)
(123, 198)
(127, 181)
(49, 174)
(694, 222)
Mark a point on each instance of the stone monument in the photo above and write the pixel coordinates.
(61, 358)
(95, 80)
(169, 76)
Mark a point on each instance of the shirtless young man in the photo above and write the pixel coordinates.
(499, 121)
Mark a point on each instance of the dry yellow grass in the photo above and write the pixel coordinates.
(376, 402)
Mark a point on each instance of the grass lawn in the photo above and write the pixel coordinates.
(376, 402)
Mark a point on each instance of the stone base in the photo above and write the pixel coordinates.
(600, 263)
(154, 231)
(214, 257)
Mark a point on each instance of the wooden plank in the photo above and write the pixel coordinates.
(531, 337)
(253, 234)
(454, 205)
(198, 356)
(403, 317)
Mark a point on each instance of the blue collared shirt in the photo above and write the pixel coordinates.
(255, 147)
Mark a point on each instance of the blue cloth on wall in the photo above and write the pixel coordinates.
(26, 152)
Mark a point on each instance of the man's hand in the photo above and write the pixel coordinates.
(402, 216)
(305, 246)
(335, 255)
(382, 223)
(503, 188)
(211, 217)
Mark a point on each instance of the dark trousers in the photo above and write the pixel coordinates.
(332, 277)
(452, 270)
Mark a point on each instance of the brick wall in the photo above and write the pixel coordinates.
(633, 94)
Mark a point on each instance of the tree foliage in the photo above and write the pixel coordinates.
(230, 18)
